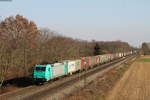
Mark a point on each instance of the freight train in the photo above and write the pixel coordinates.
(45, 72)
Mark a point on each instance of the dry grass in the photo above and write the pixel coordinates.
(7, 89)
(135, 84)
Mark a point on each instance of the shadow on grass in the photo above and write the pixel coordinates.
(20, 82)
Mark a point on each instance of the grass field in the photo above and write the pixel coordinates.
(135, 83)
(143, 60)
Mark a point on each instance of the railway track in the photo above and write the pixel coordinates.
(62, 87)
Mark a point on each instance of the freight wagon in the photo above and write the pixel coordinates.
(97, 60)
(78, 65)
(71, 67)
(93, 61)
(59, 69)
(103, 58)
(84, 63)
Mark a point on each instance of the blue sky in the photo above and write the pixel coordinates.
(102, 20)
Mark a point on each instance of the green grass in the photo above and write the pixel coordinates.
(143, 60)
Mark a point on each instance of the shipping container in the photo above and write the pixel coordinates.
(97, 60)
(109, 57)
(120, 55)
(84, 63)
(78, 64)
(58, 69)
(116, 56)
(71, 67)
(93, 61)
(103, 59)
(89, 61)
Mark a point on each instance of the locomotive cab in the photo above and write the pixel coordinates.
(42, 73)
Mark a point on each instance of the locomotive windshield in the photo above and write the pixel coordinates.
(40, 68)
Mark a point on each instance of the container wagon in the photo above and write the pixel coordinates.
(78, 65)
(71, 67)
(59, 69)
(97, 60)
(84, 63)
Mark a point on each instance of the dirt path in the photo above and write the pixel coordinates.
(135, 84)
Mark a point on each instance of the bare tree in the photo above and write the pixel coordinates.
(19, 35)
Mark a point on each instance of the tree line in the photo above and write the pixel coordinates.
(145, 49)
(23, 44)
